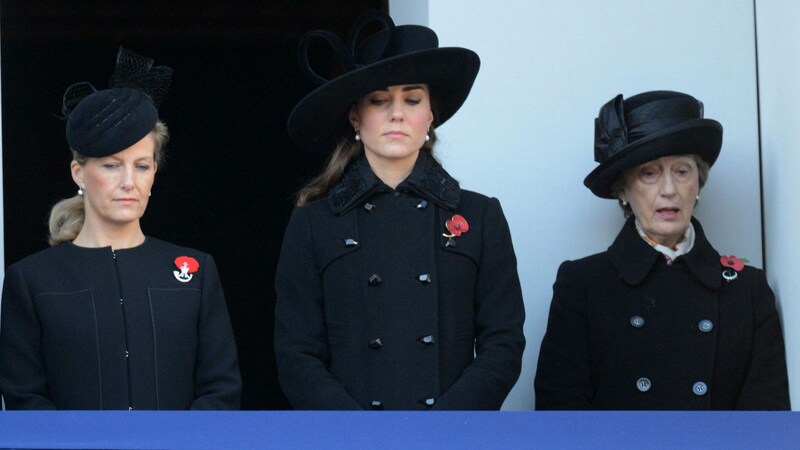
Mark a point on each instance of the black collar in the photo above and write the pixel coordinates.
(428, 179)
(634, 258)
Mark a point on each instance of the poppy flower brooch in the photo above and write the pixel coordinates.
(732, 266)
(456, 226)
(187, 266)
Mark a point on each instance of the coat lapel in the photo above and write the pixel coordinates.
(634, 258)
(428, 179)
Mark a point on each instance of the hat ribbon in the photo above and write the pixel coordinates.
(614, 129)
(345, 53)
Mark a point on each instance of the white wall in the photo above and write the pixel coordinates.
(779, 83)
(526, 133)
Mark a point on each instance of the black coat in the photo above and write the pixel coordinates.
(377, 309)
(628, 331)
(88, 328)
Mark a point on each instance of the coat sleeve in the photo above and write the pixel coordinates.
(217, 382)
(23, 378)
(301, 342)
(563, 375)
(766, 384)
(499, 316)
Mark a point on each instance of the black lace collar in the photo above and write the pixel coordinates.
(427, 179)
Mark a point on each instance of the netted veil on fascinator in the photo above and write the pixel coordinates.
(646, 127)
(104, 122)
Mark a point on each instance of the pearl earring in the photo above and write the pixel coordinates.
(358, 136)
(80, 191)
(624, 203)
(698, 197)
(427, 136)
(149, 194)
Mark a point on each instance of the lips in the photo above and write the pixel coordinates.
(669, 212)
(395, 134)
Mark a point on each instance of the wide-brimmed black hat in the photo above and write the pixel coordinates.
(405, 54)
(101, 123)
(646, 127)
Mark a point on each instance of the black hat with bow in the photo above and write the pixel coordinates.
(646, 127)
(101, 123)
(405, 54)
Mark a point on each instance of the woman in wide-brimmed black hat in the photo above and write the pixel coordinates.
(108, 318)
(396, 288)
(661, 320)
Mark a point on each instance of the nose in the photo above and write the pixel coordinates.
(668, 186)
(396, 111)
(126, 183)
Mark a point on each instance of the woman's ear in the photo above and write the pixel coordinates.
(77, 173)
(353, 117)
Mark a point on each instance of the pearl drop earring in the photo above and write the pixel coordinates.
(80, 191)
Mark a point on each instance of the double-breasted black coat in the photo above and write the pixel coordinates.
(629, 331)
(92, 328)
(377, 309)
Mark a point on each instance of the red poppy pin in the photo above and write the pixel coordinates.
(457, 225)
(732, 265)
(186, 267)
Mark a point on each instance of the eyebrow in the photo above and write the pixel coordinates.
(405, 89)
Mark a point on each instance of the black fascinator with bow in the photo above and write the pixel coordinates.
(405, 54)
(646, 127)
(104, 122)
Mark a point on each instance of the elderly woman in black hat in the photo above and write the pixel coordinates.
(108, 318)
(396, 288)
(660, 320)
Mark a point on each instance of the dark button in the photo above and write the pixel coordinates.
(369, 207)
(350, 242)
(450, 243)
(376, 404)
(397, 193)
(428, 401)
(374, 280)
(422, 205)
(699, 388)
(643, 384)
(705, 325)
(424, 278)
(427, 340)
(375, 344)
(637, 321)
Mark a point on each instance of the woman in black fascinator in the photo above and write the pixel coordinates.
(109, 318)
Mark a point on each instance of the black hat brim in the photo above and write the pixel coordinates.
(318, 119)
(702, 137)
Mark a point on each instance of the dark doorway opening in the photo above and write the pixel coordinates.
(231, 172)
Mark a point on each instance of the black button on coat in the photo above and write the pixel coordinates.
(65, 335)
(449, 318)
(592, 354)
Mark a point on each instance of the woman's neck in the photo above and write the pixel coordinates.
(117, 237)
(392, 171)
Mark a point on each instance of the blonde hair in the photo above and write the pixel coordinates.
(67, 216)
